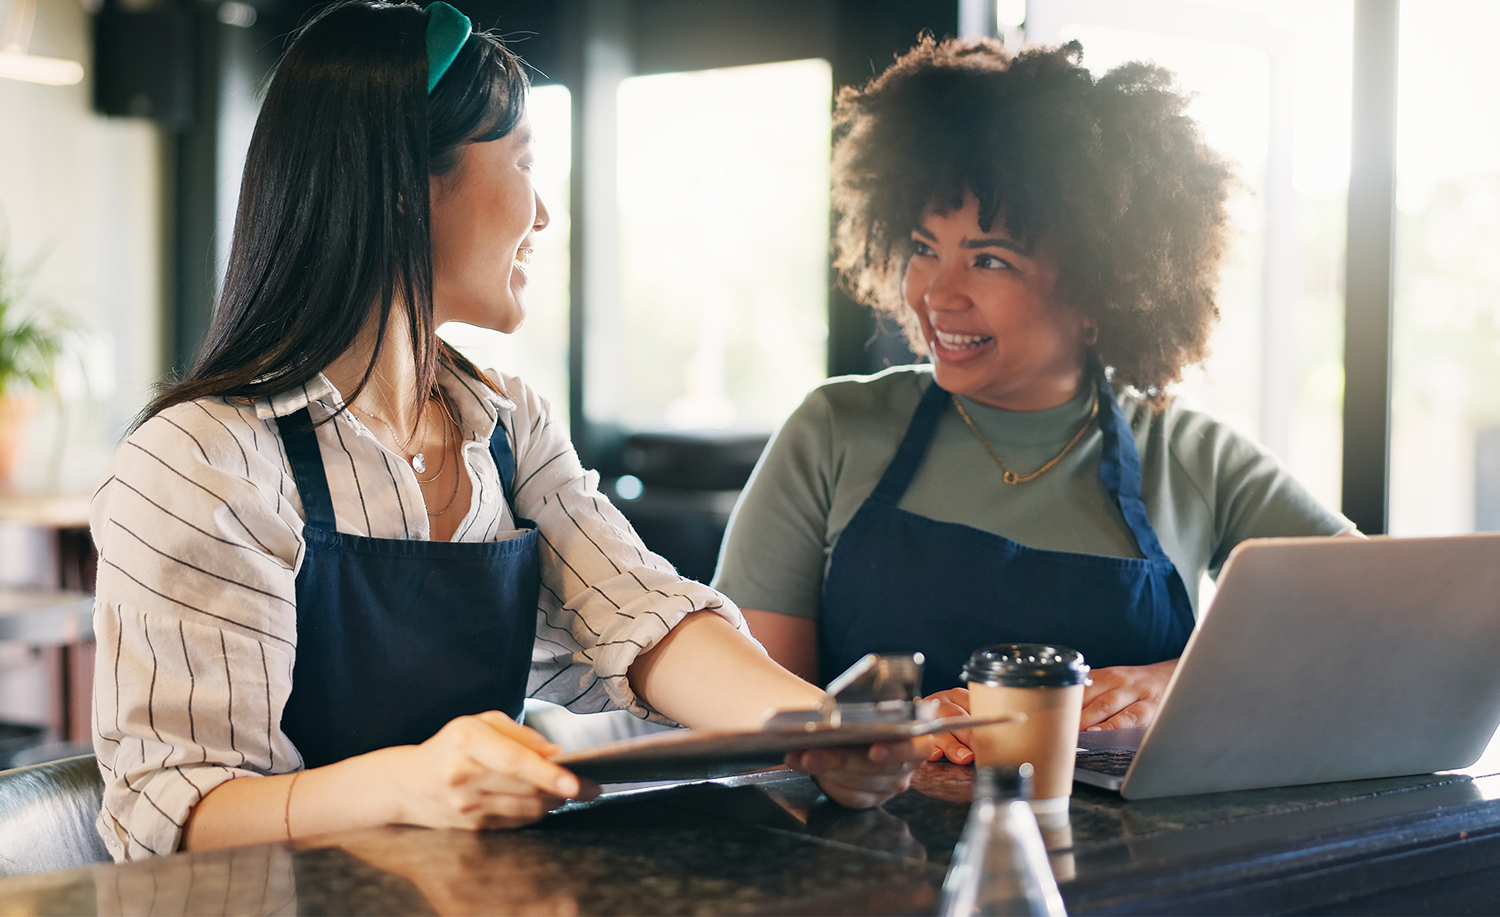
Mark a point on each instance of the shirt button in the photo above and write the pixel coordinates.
(486, 497)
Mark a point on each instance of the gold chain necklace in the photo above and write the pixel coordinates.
(418, 460)
(457, 482)
(450, 427)
(1010, 477)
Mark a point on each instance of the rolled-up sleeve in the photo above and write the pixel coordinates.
(605, 597)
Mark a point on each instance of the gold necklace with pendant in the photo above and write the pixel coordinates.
(418, 460)
(1010, 477)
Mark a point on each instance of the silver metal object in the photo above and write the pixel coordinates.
(876, 689)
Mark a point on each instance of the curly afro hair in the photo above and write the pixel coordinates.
(1108, 175)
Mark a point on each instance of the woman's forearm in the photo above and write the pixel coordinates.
(256, 810)
(705, 673)
(479, 771)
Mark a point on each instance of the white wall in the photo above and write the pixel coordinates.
(88, 195)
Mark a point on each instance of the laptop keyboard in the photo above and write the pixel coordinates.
(1114, 762)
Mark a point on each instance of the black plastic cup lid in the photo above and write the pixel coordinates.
(1026, 665)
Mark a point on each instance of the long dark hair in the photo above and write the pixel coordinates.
(334, 210)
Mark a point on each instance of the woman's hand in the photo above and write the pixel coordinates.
(482, 771)
(861, 778)
(957, 747)
(704, 673)
(1124, 696)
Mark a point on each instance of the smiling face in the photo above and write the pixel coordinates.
(985, 304)
(483, 215)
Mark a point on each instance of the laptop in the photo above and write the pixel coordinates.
(1323, 659)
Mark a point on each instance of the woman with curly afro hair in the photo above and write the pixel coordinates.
(1051, 242)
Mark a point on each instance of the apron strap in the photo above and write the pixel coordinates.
(903, 467)
(1120, 471)
(1119, 465)
(505, 464)
(306, 459)
(505, 461)
(303, 454)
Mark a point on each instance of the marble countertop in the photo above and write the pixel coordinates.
(769, 844)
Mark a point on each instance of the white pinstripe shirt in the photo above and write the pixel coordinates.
(199, 531)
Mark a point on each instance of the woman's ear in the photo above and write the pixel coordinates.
(1090, 333)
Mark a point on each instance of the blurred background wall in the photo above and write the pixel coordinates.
(85, 214)
(85, 199)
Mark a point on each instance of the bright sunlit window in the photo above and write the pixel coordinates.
(1445, 392)
(723, 215)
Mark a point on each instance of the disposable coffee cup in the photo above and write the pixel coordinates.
(1045, 683)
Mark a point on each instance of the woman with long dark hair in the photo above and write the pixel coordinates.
(335, 557)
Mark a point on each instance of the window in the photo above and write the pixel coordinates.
(1445, 390)
(722, 186)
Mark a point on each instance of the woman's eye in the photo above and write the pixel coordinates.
(992, 263)
(921, 249)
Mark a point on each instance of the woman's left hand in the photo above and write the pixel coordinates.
(1124, 696)
(957, 747)
(861, 778)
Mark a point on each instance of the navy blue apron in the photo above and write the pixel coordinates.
(900, 582)
(397, 637)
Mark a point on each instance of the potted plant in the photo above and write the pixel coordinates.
(31, 339)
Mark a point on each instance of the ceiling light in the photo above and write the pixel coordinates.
(53, 71)
(16, 64)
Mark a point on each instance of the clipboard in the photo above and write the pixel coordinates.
(702, 754)
(874, 700)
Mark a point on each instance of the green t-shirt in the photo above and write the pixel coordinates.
(1206, 487)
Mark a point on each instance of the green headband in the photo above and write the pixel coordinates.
(447, 30)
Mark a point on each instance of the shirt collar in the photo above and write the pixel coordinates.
(291, 400)
(477, 404)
